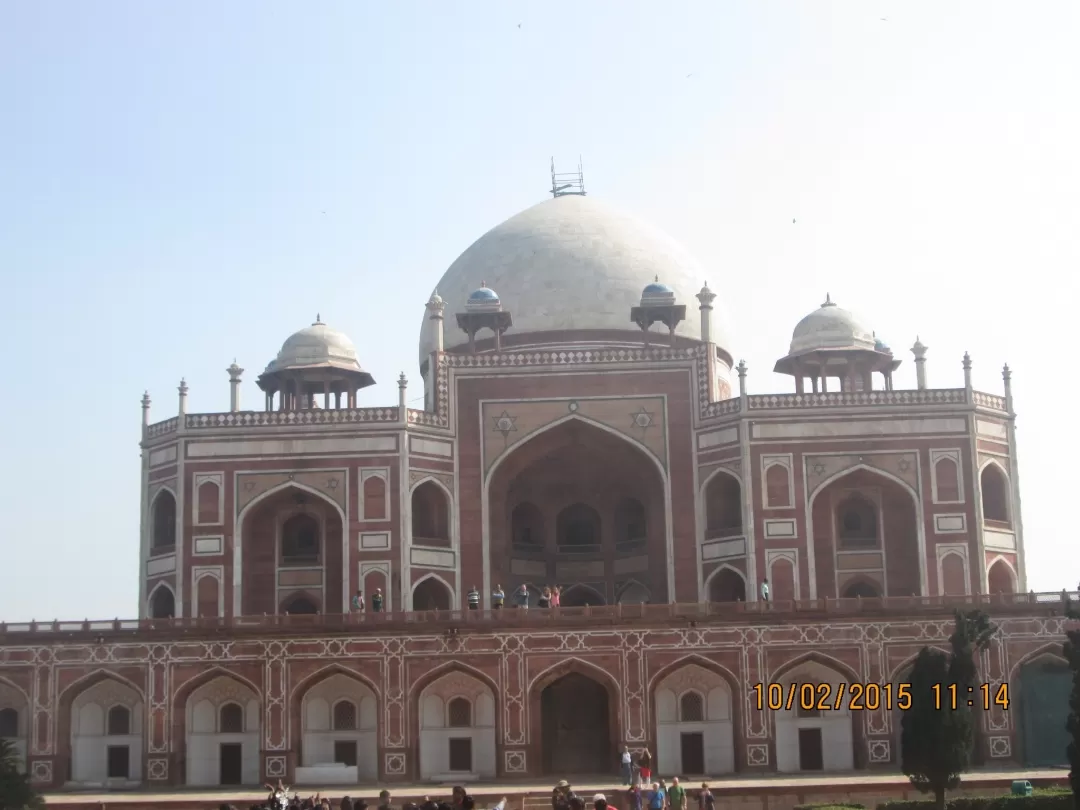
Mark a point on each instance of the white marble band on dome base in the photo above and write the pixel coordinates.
(571, 264)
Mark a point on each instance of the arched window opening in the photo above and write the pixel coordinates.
(857, 522)
(634, 593)
(807, 708)
(208, 499)
(999, 579)
(577, 528)
(9, 724)
(162, 604)
(231, 719)
(947, 478)
(206, 597)
(860, 590)
(431, 594)
(119, 721)
(526, 527)
(344, 716)
(727, 586)
(723, 507)
(631, 526)
(300, 540)
(995, 494)
(164, 521)
(691, 708)
(777, 491)
(430, 515)
(459, 713)
(374, 498)
(301, 606)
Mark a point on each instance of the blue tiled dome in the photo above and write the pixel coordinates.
(880, 345)
(483, 294)
(657, 289)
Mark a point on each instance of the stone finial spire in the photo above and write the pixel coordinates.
(403, 385)
(706, 297)
(183, 389)
(828, 301)
(967, 371)
(234, 386)
(146, 408)
(435, 308)
(919, 350)
(741, 368)
(1006, 375)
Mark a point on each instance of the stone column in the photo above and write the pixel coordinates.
(706, 297)
(919, 350)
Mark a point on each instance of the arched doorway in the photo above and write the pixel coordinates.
(581, 596)
(430, 515)
(106, 735)
(15, 720)
(808, 739)
(457, 729)
(575, 726)
(694, 726)
(339, 722)
(577, 504)
(162, 603)
(1045, 684)
(1000, 579)
(866, 531)
(726, 585)
(431, 594)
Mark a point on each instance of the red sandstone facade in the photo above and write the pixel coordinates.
(617, 465)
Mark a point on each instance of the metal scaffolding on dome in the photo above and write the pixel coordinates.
(566, 183)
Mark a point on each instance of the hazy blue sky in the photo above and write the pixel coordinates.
(188, 182)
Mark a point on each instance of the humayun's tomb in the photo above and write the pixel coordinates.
(585, 425)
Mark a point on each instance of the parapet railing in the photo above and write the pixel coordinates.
(738, 612)
(755, 402)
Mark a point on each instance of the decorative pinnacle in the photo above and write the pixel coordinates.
(234, 371)
(183, 389)
(828, 301)
(1006, 373)
(741, 368)
(656, 278)
(146, 400)
(318, 319)
(919, 350)
(967, 362)
(401, 381)
(706, 296)
(483, 283)
(435, 304)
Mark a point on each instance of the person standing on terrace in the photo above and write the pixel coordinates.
(497, 598)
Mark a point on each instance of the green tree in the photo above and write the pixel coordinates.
(15, 790)
(1072, 723)
(936, 737)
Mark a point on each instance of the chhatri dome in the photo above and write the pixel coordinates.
(831, 327)
(316, 345)
(571, 263)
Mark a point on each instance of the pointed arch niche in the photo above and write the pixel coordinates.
(290, 539)
(996, 500)
(161, 604)
(163, 521)
(726, 584)
(430, 514)
(223, 712)
(809, 740)
(432, 592)
(339, 722)
(867, 526)
(106, 735)
(15, 719)
(573, 496)
(457, 728)
(695, 730)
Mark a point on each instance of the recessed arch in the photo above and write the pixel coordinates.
(429, 677)
(91, 679)
(433, 577)
(1013, 584)
(722, 497)
(705, 663)
(320, 675)
(157, 603)
(658, 507)
(995, 491)
(734, 592)
(184, 691)
(556, 692)
(631, 593)
(860, 587)
(1050, 651)
(430, 490)
(920, 529)
(901, 669)
(241, 518)
(163, 519)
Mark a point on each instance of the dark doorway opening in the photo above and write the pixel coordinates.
(345, 752)
(576, 726)
(1044, 701)
(461, 754)
(118, 762)
(231, 760)
(811, 752)
(692, 745)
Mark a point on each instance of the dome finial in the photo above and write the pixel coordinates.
(828, 301)
(656, 278)
(483, 283)
(318, 319)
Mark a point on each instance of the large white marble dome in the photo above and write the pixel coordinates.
(572, 263)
